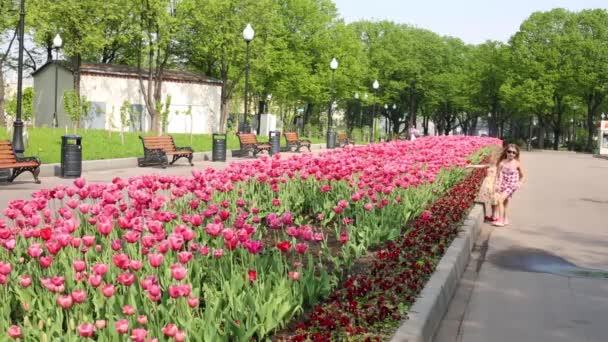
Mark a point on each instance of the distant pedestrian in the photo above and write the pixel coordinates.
(414, 133)
(510, 178)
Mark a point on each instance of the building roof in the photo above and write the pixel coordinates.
(125, 71)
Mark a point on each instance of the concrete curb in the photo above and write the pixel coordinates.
(428, 310)
(51, 170)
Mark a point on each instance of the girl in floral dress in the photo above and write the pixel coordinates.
(487, 191)
(510, 178)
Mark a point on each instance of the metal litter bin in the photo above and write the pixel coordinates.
(331, 139)
(71, 156)
(274, 139)
(218, 150)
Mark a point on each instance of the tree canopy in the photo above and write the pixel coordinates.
(553, 71)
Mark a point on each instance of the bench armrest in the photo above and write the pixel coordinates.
(28, 159)
(184, 148)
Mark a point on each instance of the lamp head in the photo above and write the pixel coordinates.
(333, 64)
(357, 95)
(57, 41)
(248, 33)
(376, 85)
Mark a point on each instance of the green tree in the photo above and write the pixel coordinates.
(543, 50)
(590, 53)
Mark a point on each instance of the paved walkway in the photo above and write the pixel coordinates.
(559, 217)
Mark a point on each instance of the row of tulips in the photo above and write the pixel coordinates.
(369, 306)
(222, 255)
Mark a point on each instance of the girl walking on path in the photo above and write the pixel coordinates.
(510, 178)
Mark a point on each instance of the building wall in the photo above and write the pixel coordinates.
(44, 98)
(109, 93)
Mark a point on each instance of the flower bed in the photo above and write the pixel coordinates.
(222, 255)
(371, 306)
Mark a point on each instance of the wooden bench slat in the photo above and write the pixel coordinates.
(14, 165)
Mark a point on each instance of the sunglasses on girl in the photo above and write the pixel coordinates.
(511, 152)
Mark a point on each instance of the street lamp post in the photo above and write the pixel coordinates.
(18, 145)
(57, 43)
(375, 85)
(248, 34)
(331, 141)
(387, 114)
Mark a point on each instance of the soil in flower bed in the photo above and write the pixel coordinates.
(371, 303)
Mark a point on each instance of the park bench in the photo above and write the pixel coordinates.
(157, 150)
(294, 141)
(343, 140)
(249, 142)
(9, 160)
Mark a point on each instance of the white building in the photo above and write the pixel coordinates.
(107, 86)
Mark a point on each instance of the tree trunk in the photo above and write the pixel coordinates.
(224, 113)
(76, 61)
(308, 112)
(541, 133)
(2, 118)
(425, 125)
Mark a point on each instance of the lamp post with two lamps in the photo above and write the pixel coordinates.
(57, 43)
(248, 34)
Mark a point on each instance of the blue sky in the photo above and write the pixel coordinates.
(473, 21)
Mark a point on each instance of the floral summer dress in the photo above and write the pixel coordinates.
(486, 191)
(509, 181)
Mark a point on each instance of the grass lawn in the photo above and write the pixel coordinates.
(98, 144)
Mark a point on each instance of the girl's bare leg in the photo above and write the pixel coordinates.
(505, 220)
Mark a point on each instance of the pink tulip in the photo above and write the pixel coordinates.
(108, 290)
(122, 326)
(79, 265)
(126, 279)
(95, 280)
(86, 330)
(100, 269)
(45, 261)
(34, 250)
(184, 257)
(135, 265)
(142, 319)
(79, 182)
(179, 336)
(79, 296)
(170, 330)
(139, 334)
(155, 259)
(218, 253)
(294, 275)
(193, 302)
(25, 280)
(64, 301)
(178, 272)
(128, 310)
(301, 248)
(14, 331)
(100, 324)
(88, 240)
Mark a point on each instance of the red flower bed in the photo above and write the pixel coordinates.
(367, 304)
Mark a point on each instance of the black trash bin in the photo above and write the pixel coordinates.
(274, 139)
(71, 156)
(331, 139)
(218, 150)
